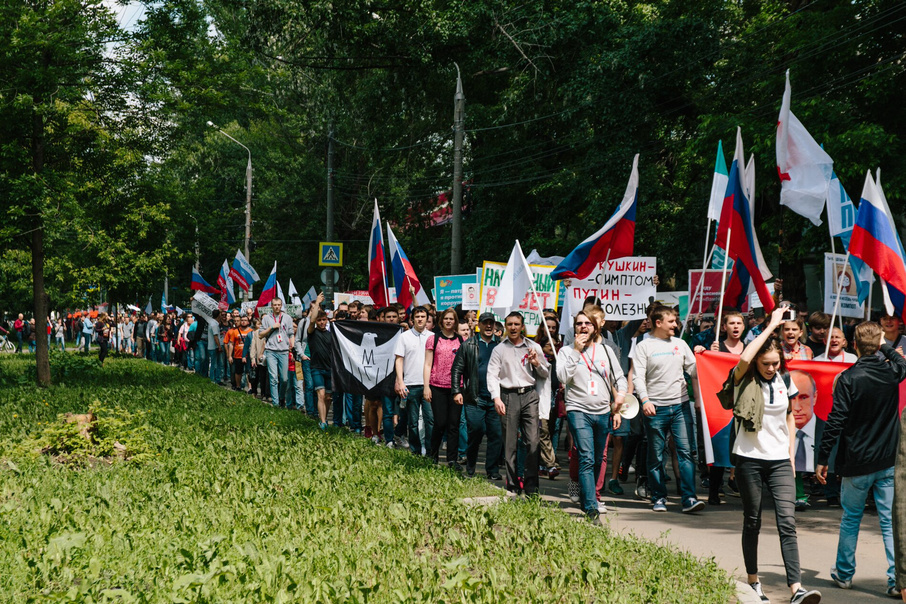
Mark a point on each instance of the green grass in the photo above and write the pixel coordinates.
(241, 502)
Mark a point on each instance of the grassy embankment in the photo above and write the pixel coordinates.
(229, 500)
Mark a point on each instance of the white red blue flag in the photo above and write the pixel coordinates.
(199, 284)
(875, 241)
(226, 284)
(841, 217)
(270, 289)
(615, 239)
(242, 272)
(377, 269)
(404, 276)
(737, 225)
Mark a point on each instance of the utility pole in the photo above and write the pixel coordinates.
(459, 104)
(248, 218)
(328, 282)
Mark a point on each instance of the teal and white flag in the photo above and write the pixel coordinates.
(718, 184)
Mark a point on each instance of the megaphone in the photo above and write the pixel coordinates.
(630, 407)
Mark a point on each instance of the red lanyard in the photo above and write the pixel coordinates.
(582, 354)
(278, 322)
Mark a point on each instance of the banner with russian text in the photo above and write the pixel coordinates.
(813, 379)
(545, 287)
(625, 286)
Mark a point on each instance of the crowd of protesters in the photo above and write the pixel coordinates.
(464, 380)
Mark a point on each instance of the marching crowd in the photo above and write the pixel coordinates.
(463, 380)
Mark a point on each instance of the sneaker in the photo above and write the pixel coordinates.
(756, 587)
(841, 583)
(894, 592)
(323, 426)
(693, 505)
(553, 472)
(623, 474)
(602, 509)
(812, 596)
(802, 505)
(368, 433)
(461, 461)
(641, 492)
(614, 487)
(494, 476)
(542, 472)
(660, 505)
(732, 489)
(376, 439)
(390, 445)
(593, 517)
(573, 489)
(706, 483)
(470, 471)
(401, 442)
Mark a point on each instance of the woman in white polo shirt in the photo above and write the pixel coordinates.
(764, 449)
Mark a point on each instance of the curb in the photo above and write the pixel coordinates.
(745, 594)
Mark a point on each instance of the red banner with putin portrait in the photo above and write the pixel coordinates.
(813, 379)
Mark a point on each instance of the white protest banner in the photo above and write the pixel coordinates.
(203, 306)
(545, 287)
(625, 286)
(251, 305)
(470, 297)
(293, 310)
(849, 297)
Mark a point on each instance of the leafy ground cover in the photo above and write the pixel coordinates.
(235, 501)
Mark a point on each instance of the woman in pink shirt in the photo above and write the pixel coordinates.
(440, 350)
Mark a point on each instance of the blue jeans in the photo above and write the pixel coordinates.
(590, 435)
(853, 493)
(390, 409)
(86, 337)
(201, 359)
(353, 403)
(62, 343)
(676, 419)
(482, 419)
(415, 403)
(278, 372)
(339, 407)
(463, 435)
(163, 353)
(216, 367)
(311, 407)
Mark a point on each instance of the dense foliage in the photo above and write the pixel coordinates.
(243, 502)
(560, 96)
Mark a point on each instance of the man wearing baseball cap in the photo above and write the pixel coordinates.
(470, 387)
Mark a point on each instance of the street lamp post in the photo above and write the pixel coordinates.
(248, 201)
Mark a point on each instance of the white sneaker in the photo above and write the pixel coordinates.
(376, 439)
(602, 509)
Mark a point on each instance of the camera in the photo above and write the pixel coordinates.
(790, 313)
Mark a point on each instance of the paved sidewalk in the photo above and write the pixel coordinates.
(716, 532)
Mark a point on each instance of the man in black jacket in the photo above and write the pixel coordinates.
(470, 386)
(865, 419)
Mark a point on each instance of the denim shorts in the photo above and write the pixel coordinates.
(623, 430)
(320, 379)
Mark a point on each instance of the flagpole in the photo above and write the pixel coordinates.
(836, 306)
(723, 283)
(836, 279)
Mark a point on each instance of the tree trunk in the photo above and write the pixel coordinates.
(42, 356)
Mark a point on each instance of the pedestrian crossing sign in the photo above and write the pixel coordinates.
(330, 254)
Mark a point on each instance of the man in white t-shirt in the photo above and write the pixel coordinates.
(410, 384)
(659, 367)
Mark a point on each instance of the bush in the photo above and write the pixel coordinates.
(244, 502)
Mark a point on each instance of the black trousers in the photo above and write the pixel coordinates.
(753, 477)
(447, 416)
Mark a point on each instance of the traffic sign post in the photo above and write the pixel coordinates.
(330, 254)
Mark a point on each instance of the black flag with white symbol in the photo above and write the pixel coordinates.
(363, 357)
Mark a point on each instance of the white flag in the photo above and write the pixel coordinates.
(280, 293)
(515, 282)
(310, 297)
(805, 169)
(718, 184)
(569, 311)
(293, 294)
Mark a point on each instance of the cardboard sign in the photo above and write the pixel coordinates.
(708, 298)
(530, 306)
(625, 286)
(470, 297)
(837, 269)
(448, 289)
(203, 307)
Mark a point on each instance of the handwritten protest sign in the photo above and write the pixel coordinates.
(203, 307)
(624, 286)
(530, 307)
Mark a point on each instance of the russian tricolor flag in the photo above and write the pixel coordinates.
(737, 226)
(875, 241)
(226, 284)
(377, 269)
(404, 275)
(242, 272)
(270, 289)
(199, 284)
(615, 239)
